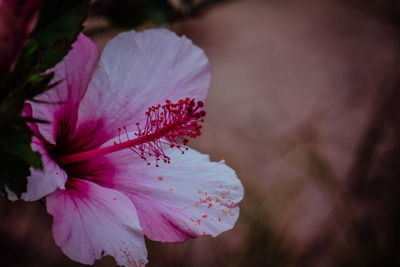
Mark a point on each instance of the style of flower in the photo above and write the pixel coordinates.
(116, 166)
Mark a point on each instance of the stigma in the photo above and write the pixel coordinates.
(168, 125)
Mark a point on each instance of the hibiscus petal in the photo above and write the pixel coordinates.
(91, 221)
(189, 197)
(46, 181)
(61, 102)
(141, 69)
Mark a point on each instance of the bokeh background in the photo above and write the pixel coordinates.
(304, 104)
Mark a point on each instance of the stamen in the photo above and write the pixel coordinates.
(170, 124)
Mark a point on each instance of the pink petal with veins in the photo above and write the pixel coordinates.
(91, 221)
(61, 103)
(141, 69)
(187, 198)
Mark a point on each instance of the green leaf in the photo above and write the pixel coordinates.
(16, 156)
(59, 24)
(13, 173)
(18, 143)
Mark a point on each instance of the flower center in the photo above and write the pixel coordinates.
(169, 124)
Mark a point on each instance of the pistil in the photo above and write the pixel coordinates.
(170, 124)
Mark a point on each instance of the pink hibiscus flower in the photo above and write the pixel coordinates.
(105, 138)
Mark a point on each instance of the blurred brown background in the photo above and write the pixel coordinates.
(304, 105)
